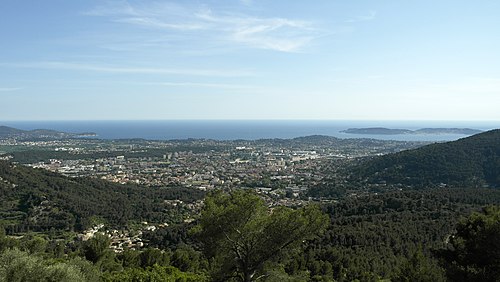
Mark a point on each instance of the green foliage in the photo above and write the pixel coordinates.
(279, 274)
(96, 248)
(97, 251)
(17, 266)
(475, 253)
(33, 244)
(373, 234)
(89, 271)
(39, 200)
(240, 234)
(150, 257)
(6, 242)
(468, 162)
(187, 259)
(170, 237)
(129, 258)
(420, 268)
(155, 273)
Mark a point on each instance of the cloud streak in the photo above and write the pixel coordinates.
(369, 16)
(154, 23)
(272, 33)
(9, 89)
(128, 70)
(207, 85)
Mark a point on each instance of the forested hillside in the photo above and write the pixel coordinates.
(38, 200)
(373, 235)
(468, 162)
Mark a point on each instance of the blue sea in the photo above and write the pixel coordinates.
(246, 129)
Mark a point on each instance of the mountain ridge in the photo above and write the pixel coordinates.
(471, 161)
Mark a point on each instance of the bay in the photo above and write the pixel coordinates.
(247, 129)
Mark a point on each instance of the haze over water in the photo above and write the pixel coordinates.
(246, 129)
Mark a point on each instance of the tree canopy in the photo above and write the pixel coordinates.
(469, 162)
(475, 253)
(240, 234)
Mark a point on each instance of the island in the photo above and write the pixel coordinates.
(377, 131)
(389, 131)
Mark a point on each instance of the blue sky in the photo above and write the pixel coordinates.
(366, 60)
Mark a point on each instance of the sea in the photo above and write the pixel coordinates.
(248, 129)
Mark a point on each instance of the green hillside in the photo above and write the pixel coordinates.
(39, 200)
(469, 162)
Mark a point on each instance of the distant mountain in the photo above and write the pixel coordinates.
(9, 132)
(472, 161)
(38, 200)
(464, 131)
(389, 131)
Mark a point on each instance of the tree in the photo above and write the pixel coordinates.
(96, 248)
(33, 244)
(475, 253)
(16, 265)
(186, 258)
(130, 258)
(419, 268)
(97, 251)
(152, 273)
(240, 234)
(6, 242)
(150, 257)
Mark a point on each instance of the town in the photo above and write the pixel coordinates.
(280, 165)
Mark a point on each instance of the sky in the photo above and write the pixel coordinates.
(250, 59)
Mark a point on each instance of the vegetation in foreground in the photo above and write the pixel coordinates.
(237, 238)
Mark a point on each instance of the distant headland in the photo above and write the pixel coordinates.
(390, 131)
(10, 132)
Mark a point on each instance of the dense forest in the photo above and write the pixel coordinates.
(402, 236)
(469, 162)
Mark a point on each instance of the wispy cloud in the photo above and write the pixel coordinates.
(278, 34)
(9, 89)
(368, 16)
(150, 22)
(127, 70)
(206, 85)
(273, 33)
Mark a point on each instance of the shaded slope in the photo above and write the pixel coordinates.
(34, 199)
(472, 161)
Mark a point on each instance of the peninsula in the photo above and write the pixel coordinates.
(10, 132)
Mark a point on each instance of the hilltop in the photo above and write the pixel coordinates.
(472, 161)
